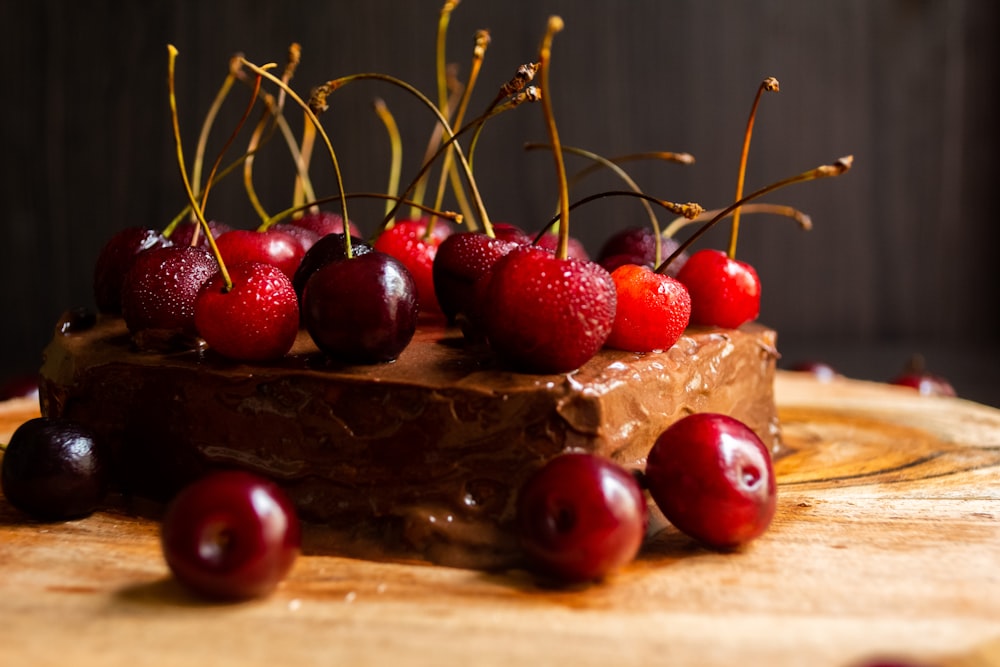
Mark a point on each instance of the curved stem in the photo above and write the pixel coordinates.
(395, 146)
(805, 222)
(544, 57)
(449, 215)
(769, 84)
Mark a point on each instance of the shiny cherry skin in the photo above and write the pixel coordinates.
(724, 292)
(256, 320)
(361, 310)
(183, 233)
(160, 289)
(271, 247)
(575, 250)
(325, 222)
(505, 231)
(637, 245)
(461, 260)
(231, 536)
(329, 248)
(581, 517)
(927, 384)
(652, 312)
(114, 261)
(306, 237)
(54, 469)
(545, 314)
(713, 479)
(407, 241)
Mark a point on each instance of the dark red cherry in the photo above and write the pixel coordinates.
(407, 241)
(53, 469)
(159, 293)
(576, 249)
(544, 314)
(724, 292)
(19, 386)
(652, 312)
(329, 248)
(324, 222)
(116, 259)
(712, 478)
(508, 232)
(581, 517)
(637, 245)
(823, 371)
(927, 384)
(361, 310)
(256, 320)
(271, 247)
(461, 260)
(231, 536)
(183, 233)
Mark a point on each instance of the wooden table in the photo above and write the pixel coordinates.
(886, 541)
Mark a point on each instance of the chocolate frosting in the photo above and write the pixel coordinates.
(418, 459)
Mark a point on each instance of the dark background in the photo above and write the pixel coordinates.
(901, 260)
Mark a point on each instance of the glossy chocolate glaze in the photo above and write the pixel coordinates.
(417, 459)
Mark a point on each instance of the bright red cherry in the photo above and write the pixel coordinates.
(325, 222)
(256, 320)
(231, 536)
(271, 247)
(305, 237)
(408, 242)
(361, 310)
(159, 292)
(652, 312)
(508, 232)
(116, 259)
(461, 260)
(724, 292)
(712, 478)
(581, 517)
(545, 314)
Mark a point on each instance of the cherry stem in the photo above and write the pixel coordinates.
(434, 141)
(206, 126)
(839, 167)
(448, 164)
(314, 120)
(526, 94)
(449, 215)
(805, 222)
(396, 148)
(770, 84)
(544, 60)
(689, 210)
(618, 171)
(171, 61)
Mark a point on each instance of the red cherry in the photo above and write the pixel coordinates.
(361, 310)
(306, 237)
(461, 260)
(653, 310)
(637, 245)
(508, 232)
(576, 250)
(324, 222)
(256, 320)
(271, 247)
(184, 232)
(407, 241)
(160, 289)
(19, 386)
(724, 292)
(329, 248)
(116, 259)
(823, 371)
(231, 536)
(713, 479)
(926, 383)
(581, 517)
(547, 315)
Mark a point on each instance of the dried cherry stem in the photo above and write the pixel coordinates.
(171, 62)
(770, 84)
(666, 156)
(505, 103)
(805, 222)
(447, 215)
(544, 62)
(840, 166)
(689, 210)
(618, 171)
(448, 171)
(334, 84)
(396, 148)
(314, 122)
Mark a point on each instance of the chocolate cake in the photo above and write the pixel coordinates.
(419, 459)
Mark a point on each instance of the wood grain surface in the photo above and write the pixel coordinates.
(886, 543)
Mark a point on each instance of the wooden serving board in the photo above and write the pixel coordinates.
(886, 542)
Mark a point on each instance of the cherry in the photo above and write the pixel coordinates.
(505, 231)
(652, 312)
(329, 248)
(19, 386)
(927, 384)
(823, 371)
(408, 242)
(159, 292)
(545, 314)
(183, 233)
(576, 250)
(362, 309)
(306, 237)
(256, 320)
(53, 469)
(231, 536)
(725, 292)
(461, 260)
(637, 245)
(580, 517)
(323, 223)
(114, 261)
(271, 247)
(712, 477)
